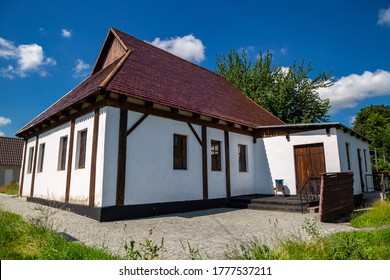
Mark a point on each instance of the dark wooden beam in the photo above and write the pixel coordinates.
(204, 163)
(177, 117)
(121, 168)
(91, 99)
(230, 124)
(195, 134)
(131, 129)
(92, 178)
(23, 168)
(214, 120)
(244, 127)
(33, 132)
(227, 164)
(76, 107)
(34, 166)
(70, 158)
(174, 110)
(148, 104)
(196, 115)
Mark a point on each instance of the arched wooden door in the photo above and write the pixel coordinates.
(309, 161)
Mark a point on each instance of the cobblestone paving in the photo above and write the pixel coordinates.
(211, 231)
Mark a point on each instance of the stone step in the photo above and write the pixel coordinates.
(267, 206)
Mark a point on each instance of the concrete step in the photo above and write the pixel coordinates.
(267, 206)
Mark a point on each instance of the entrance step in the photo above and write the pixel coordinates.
(264, 202)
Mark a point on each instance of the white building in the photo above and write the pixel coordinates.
(150, 133)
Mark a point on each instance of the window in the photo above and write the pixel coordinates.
(215, 155)
(179, 152)
(62, 153)
(365, 159)
(30, 159)
(242, 158)
(348, 159)
(82, 149)
(41, 157)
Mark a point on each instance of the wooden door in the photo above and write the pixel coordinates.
(309, 161)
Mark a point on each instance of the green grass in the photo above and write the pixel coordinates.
(354, 245)
(379, 215)
(11, 189)
(24, 241)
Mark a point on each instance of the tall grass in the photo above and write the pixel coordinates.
(378, 215)
(11, 189)
(24, 241)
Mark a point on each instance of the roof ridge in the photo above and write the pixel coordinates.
(107, 80)
(169, 53)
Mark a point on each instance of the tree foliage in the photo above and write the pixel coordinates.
(288, 93)
(374, 123)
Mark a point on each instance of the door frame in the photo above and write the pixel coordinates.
(319, 144)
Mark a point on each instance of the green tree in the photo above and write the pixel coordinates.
(286, 92)
(374, 123)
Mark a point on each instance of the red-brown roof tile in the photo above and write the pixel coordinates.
(152, 74)
(11, 150)
(155, 75)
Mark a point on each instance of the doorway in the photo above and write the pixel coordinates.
(309, 161)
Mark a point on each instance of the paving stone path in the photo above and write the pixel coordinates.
(211, 231)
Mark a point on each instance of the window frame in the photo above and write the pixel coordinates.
(242, 158)
(62, 153)
(41, 157)
(30, 159)
(180, 144)
(81, 148)
(347, 145)
(216, 157)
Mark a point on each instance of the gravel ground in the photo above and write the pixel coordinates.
(209, 230)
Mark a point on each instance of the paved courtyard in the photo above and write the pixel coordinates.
(209, 230)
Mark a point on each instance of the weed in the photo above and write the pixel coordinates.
(44, 218)
(10, 189)
(147, 250)
(193, 252)
(311, 228)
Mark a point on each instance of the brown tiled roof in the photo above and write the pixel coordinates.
(155, 75)
(152, 74)
(83, 90)
(11, 150)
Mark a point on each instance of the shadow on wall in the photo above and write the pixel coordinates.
(264, 182)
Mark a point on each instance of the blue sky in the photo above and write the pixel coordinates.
(48, 47)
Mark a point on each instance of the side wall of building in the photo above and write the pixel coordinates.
(50, 180)
(150, 176)
(276, 158)
(9, 173)
(356, 146)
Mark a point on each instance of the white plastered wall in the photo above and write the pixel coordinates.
(216, 179)
(28, 176)
(355, 144)
(150, 177)
(51, 183)
(279, 153)
(241, 182)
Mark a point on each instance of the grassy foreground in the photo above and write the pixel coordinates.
(379, 215)
(20, 239)
(11, 189)
(24, 241)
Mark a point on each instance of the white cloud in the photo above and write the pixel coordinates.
(66, 33)
(81, 69)
(283, 50)
(384, 16)
(42, 31)
(284, 69)
(348, 91)
(352, 120)
(2, 133)
(187, 47)
(4, 121)
(29, 58)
